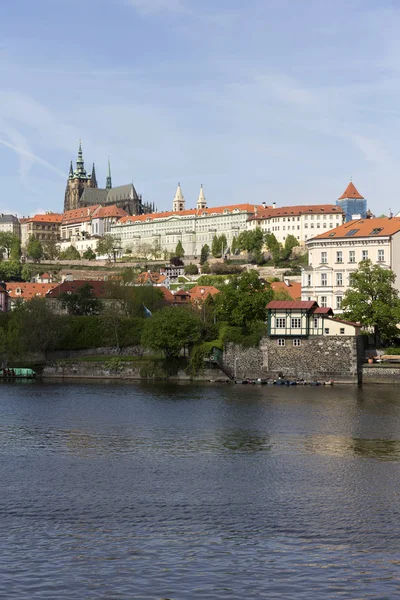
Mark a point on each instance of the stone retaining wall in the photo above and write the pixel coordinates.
(381, 374)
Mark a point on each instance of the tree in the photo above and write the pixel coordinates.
(108, 246)
(32, 326)
(216, 247)
(112, 322)
(10, 270)
(51, 250)
(176, 261)
(15, 251)
(191, 269)
(7, 240)
(373, 301)
(274, 247)
(179, 250)
(170, 329)
(71, 253)
(34, 249)
(26, 272)
(243, 300)
(252, 242)
(205, 253)
(82, 302)
(223, 243)
(290, 243)
(234, 246)
(89, 254)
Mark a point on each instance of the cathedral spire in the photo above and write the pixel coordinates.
(179, 200)
(71, 171)
(93, 180)
(108, 180)
(201, 200)
(80, 165)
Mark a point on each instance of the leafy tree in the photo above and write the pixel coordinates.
(251, 241)
(89, 254)
(191, 269)
(34, 249)
(131, 299)
(51, 250)
(205, 253)
(216, 247)
(82, 302)
(243, 300)
(112, 322)
(205, 268)
(373, 300)
(290, 243)
(223, 243)
(170, 329)
(15, 251)
(274, 247)
(7, 239)
(32, 325)
(26, 272)
(234, 246)
(10, 270)
(108, 246)
(176, 261)
(71, 253)
(179, 250)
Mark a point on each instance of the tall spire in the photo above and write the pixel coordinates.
(80, 165)
(108, 180)
(71, 171)
(201, 200)
(179, 200)
(93, 179)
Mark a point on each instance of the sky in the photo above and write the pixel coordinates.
(260, 101)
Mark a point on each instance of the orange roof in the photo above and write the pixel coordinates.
(109, 211)
(27, 291)
(351, 192)
(201, 292)
(292, 304)
(79, 215)
(251, 208)
(168, 296)
(293, 289)
(151, 277)
(296, 211)
(47, 218)
(379, 227)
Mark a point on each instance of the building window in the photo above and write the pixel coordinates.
(339, 302)
(281, 342)
(339, 278)
(326, 330)
(324, 301)
(324, 279)
(365, 255)
(324, 257)
(308, 280)
(295, 323)
(315, 323)
(352, 256)
(381, 256)
(339, 256)
(342, 330)
(281, 322)
(296, 342)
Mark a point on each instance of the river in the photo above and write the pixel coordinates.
(149, 491)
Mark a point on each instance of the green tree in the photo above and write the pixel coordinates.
(216, 247)
(70, 253)
(26, 272)
(34, 249)
(290, 243)
(223, 242)
(7, 239)
(89, 254)
(10, 270)
(243, 300)
(234, 246)
(15, 251)
(205, 253)
(274, 247)
(51, 250)
(179, 250)
(170, 329)
(82, 302)
(191, 269)
(108, 246)
(373, 301)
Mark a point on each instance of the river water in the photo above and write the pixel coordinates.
(122, 491)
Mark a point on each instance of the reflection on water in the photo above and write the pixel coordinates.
(150, 491)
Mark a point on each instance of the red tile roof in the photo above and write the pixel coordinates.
(382, 226)
(28, 290)
(168, 296)
(103, 212)
(47, 218)
(351, 192)
(79, 215)
(292, 304)
(321, 310)
(201, 292)
(100, 289)
(293, 289)
(296, 211)
(150, 277)
(345, 322)
(250, 208)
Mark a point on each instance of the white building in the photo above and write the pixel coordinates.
(10, 224)
(303, 222)
(194, 227)
(334, 256)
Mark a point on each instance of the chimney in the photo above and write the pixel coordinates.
(390, 214)
(286, 281)
(264, 204)
(274, 205)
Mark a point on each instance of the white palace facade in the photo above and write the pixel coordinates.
(192, 227)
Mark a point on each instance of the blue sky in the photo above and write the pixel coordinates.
(263, 100)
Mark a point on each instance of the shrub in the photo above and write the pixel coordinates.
(191, 269)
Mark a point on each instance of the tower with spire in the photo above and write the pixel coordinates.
(178, 203)
(201, 200)
(352, 203)
(78, 180)
(108, 180)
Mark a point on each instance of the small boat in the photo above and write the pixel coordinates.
(10, 373)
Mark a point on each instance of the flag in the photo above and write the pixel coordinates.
(147, 312)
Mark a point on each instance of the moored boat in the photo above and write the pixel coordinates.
(17, 373)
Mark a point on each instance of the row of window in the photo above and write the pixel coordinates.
(352, 256)
(295, 323)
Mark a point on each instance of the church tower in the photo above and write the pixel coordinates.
(179, 200)
(78, 180)
(201, 200)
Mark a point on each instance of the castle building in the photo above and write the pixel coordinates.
(352, 203)
(82, 191)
